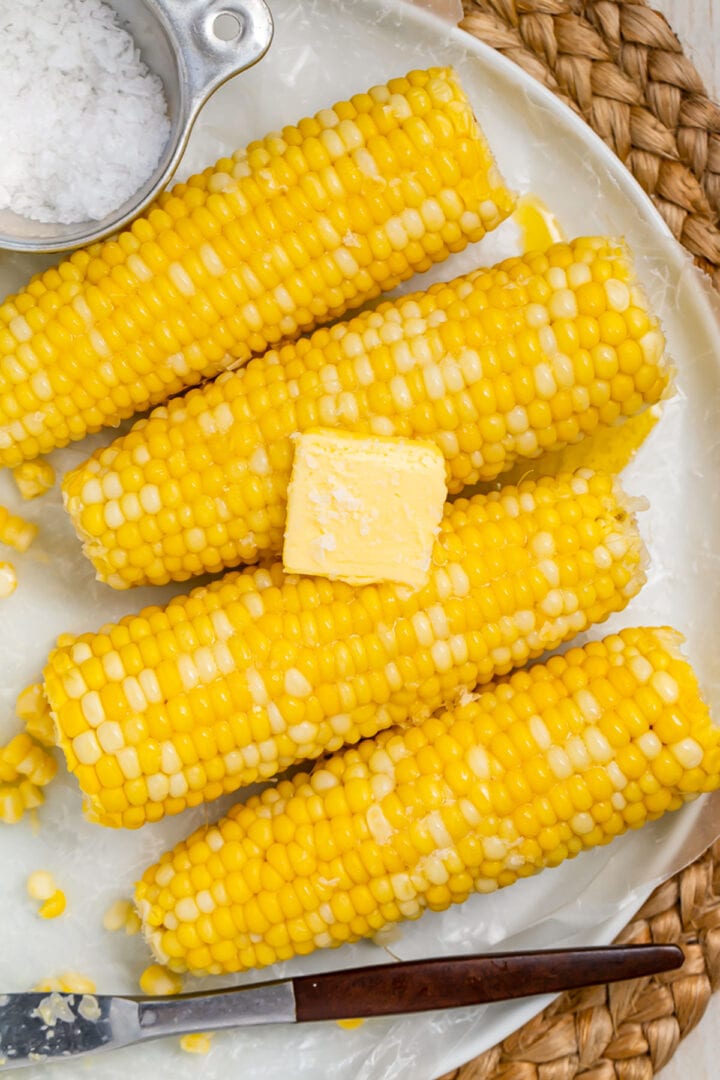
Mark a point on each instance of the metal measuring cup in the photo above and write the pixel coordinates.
(194, 46)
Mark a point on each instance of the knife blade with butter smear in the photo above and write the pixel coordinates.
(37, 1027)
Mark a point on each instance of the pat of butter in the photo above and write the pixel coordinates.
(363, 508)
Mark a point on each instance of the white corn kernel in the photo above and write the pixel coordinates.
(665, 687)
(688, 752)
(86, 748)
(296, 684)
(582, 824)
(8, 580)
(41, 885)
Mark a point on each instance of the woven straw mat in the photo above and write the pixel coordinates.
(620, 66)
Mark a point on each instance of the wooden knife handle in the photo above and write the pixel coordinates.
(470, 980)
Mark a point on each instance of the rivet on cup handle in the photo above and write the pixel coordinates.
(216, 40)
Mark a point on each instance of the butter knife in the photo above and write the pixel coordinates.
(38, 1027)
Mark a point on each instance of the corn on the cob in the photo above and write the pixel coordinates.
(287, 234)
(256, 671)
(501, 364)
(559, 758)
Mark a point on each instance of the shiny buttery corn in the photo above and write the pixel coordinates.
(257, 671)
(289, 233)
(498, 365)
(529, 772)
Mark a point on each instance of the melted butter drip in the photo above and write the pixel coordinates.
(609, 449)
(538, 225)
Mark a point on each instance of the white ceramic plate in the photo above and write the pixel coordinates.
(322, 53)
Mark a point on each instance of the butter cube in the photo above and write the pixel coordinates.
(363, 508)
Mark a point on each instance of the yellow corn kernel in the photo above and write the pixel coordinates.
(39, 767)
(31, 705)
(34, 478)
(480, 366)
(12, 806)
(132, 924)
(288, 234)
(48, 986)
(158, 981)
(17, 750)
(197, 1043)
(42, 729)
(418, 788)
(117, 915)
(22, 756)
(55, 905)
(257, 671)
(15, 531)
(70, 982)
(73, 982)
(32, 708)
(31, 795)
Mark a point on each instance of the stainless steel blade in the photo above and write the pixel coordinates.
(43, 1027)
(39, 1027)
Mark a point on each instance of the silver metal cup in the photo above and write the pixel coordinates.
(194, 46)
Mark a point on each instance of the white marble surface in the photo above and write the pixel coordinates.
(697, 24)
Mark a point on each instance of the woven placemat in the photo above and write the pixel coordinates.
(620, 66)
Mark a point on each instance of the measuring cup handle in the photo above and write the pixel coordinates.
(208, 59)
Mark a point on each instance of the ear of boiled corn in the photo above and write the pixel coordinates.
(496, 366)
(288, 233)
(559, 758)
(257, 671)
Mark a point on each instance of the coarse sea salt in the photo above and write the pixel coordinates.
(83, 123)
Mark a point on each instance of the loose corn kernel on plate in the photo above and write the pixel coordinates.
(323, 53)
